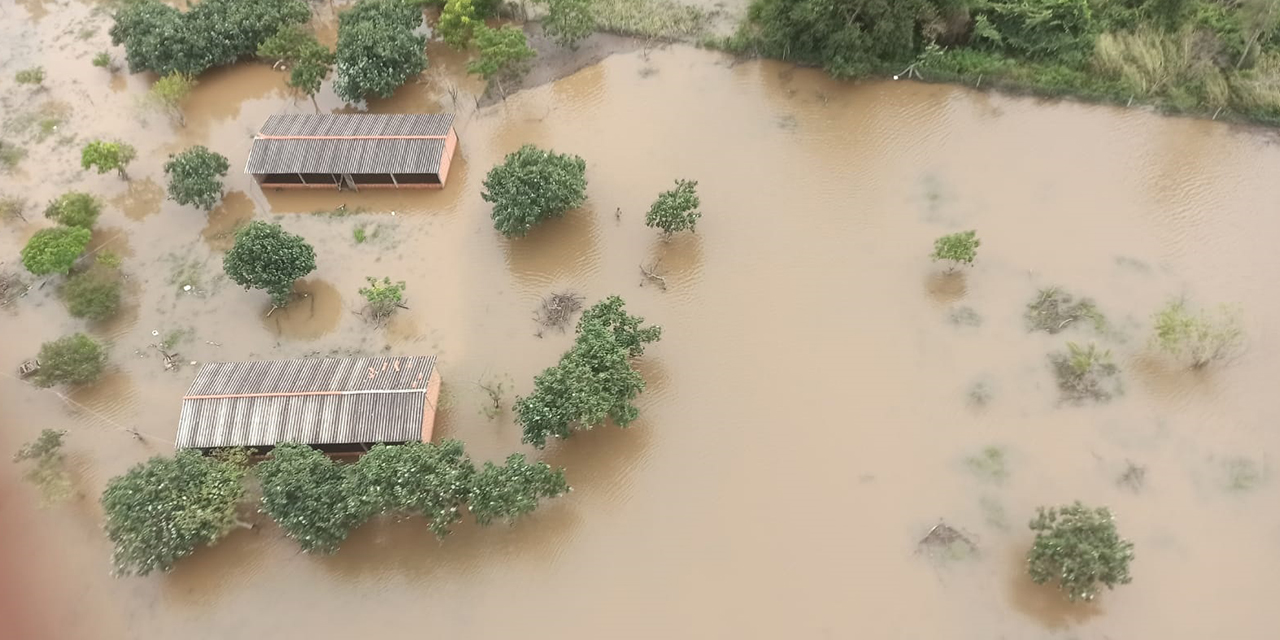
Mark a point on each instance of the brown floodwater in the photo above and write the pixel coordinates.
(808, 416)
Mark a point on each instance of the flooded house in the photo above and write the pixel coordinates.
(353, 151)
(337, 405)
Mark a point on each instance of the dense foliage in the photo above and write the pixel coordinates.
(157, 37)
(675, 210)
(73, 359)
(74, 209)
(568, 21)
(168, 92)
(54, 250)
(108, 156)
(93, 293)
(297, 46)
(512, 490)
(46, 466)
(957, 248)
(532, 185)
(313, 499)
(383, 297)
(458, 23)
(162, 510)
(504, 54)
(1199, 339)
(265, 256)
(195, 177)
(418, 478)
(378, 50)
(1079, 548)
(594, 379)
(33, 75)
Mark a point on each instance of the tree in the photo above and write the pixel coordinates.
(92, 294)
(512, 490)
(106, 156)
(266, 257)
(378, 50)
(532, 185)
(288, 43)
(569, 21)
(383, 297)
(457, 23)
(310, 59)
(1079, 548)
(73, 359)
(504, 54)
(163, 509)
(418, 478)
(168, 92)
(675, 210)
(314, 500)
(48, 470)
(54, 250)
(34, 75)
(195, 177)
(960, 248)
(309, 73)
(611, 314)
(848, 38)
(1199, 339)
(74, 209)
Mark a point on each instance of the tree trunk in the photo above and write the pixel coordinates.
(314, 103)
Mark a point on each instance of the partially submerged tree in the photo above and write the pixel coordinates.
(513, 490)
(73, 359)
(74, 209)
(958, 248)
(168, 92)
(195, 177)
(504, 54)
(47, 469)
(532, 185)
(93, 293)
(1080, 549)
(162, 510)
(378, 50)
(314, 500)
(384, 297)
(265, 256)
(108, 156)
(458, 22)
(569, 21)
(675, 210)
(33, 75)
(1198, 339)
(310, 60)
(54, 250)
(418, 478)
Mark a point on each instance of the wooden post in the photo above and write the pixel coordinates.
(301, 179)
(393, 180)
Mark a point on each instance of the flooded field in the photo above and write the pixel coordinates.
(813, 408)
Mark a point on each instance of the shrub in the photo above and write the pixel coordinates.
(48, 470)
(168, 92)
(54, 250)
(103, 61)
(1086, 373)
(266, 257)
(92, 294)
(1080, 549)
(532, 185)
(195, 177)
(504, 54)
(377, 49)
(383, 297)
(74, 209)
(107, 156)
(569, 21)
(675, 210)
(457, 23)
(34, 75)
(959, 248)
(1199, 339)
(1054, 309)
(74, 359)
(512, 490)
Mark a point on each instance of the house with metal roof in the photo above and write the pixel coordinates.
(353, 151)
(337, 405)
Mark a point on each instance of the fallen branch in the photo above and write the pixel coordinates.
(652, 274)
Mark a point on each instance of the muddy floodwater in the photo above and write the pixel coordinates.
(813, 408)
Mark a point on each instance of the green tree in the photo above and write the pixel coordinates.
(168, 92)
(512, 490)
(288, 43)
(569, 21)
(504, 54)
(47, 469)
(73, 359)
(611, 313)
(195, 177)
(847, 37)
(316, 501)
(163, 509)
(309, 59)
(108, 156)
(532, 185)
(418, 478)
(74, 209)
(1200, 339)
(458, 22)
(378, 50)
(959, 248)
(383, 297)
(34, 75)
(675, 210)
(103, 60)
(265, 256)
(93, 293)
(54, 250)
(1078, 547)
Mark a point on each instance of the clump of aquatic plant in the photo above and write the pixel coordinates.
(1079, 548)
(965, 317)
(1054, 310)
(989, 464)
(957, 248)
(1086, 373)
(1242, 474)
(46, 466)
(32, 75)
(1199, 339)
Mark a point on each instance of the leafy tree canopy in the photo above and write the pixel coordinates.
(107, 156)
(532, 185)
(377, 49)
(314, 500)
(298, 46)
(959, 248)
(93, 293)
(73, 359)
(162, 510)
(512, 490)
(418, 478)
(47, 469)
(265, 256)
(168, 92)
(383, 297)
(458, 22)
(74, 209)
(504, 53)
(195, 177)
(54, 250)
(569, 21)
(676, 210)
(1078, 547)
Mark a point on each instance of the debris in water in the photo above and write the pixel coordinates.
(557, 309)
(945, 542)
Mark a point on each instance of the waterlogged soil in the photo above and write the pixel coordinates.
(813, 410)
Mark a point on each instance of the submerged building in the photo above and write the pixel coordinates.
(336, 405)
(353, 151)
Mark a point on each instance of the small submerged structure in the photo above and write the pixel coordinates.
(353, 151)
(337, 405)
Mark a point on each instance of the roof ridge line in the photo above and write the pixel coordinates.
(284, 394)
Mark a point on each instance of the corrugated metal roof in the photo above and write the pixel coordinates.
(346, 125)
(312, 401)
(345, 155)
